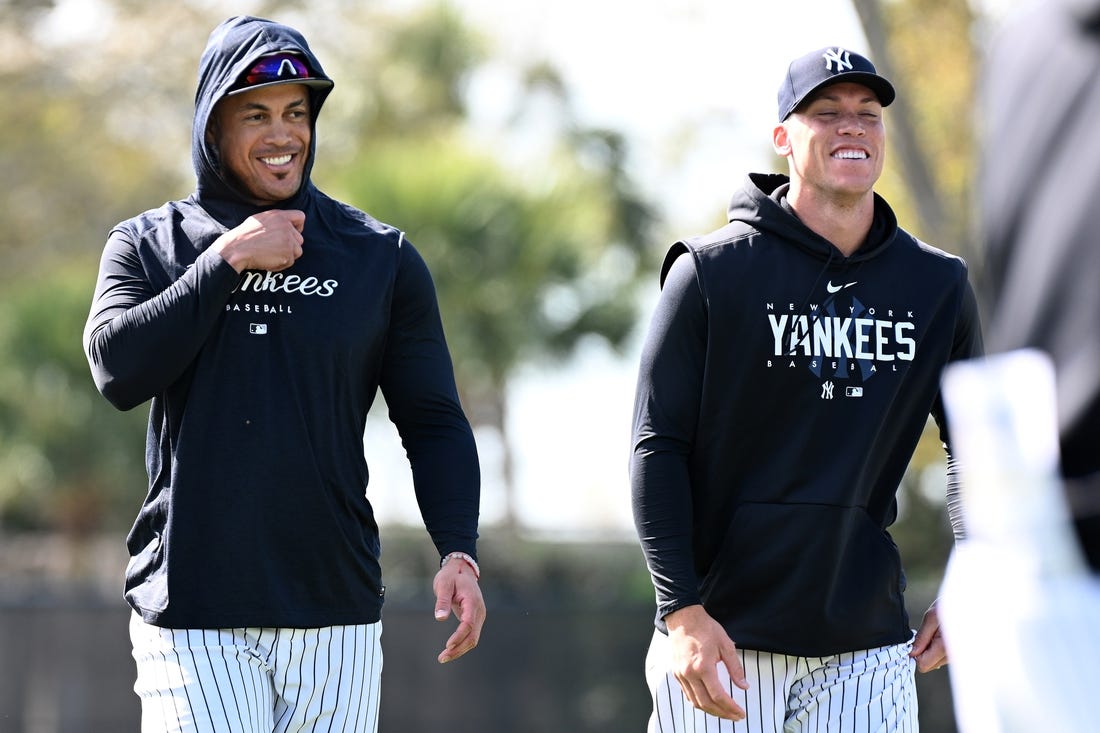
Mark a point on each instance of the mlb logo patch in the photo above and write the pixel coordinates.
(257, 328)
(853, 392)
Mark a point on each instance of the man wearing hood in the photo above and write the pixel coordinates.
(789, 371)
(261, 317)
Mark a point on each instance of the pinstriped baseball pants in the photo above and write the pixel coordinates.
(871, 691)
(257, 680)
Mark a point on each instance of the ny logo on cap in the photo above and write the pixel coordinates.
(840, 56)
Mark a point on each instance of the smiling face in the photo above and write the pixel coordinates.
(835, 143)
(262, 137)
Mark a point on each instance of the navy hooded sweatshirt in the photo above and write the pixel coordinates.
(782, 391)
(260, 384)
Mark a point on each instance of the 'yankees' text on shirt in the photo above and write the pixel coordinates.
(254, 281)
(850, 334)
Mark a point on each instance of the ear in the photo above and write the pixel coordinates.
(213, 123)
(781, 140)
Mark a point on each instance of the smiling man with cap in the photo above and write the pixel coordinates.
(260, 318)
(789, 371)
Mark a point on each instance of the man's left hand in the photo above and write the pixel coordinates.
(928, 646)
(456, 590)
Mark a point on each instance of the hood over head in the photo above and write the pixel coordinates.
(233, 49)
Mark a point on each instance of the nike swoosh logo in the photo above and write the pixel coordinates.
(837, 288)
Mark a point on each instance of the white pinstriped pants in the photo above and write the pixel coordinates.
(871, 691)
(257, 680)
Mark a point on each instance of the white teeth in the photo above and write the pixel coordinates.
(278, 160)
(850, 154)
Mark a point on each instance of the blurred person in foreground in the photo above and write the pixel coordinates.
(1040, 188)
(261, 317)
(1022, 596)
(788, 374)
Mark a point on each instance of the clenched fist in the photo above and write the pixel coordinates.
(270, 240)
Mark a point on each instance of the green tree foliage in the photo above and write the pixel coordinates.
(520, 272)
(87, 126)
(938, 70)
(67, 459)
(96, 127)
(528, 259)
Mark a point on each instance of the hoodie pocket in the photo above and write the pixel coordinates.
(807, 579)
(146, 582)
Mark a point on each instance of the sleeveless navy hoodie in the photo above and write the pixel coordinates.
(783, 389)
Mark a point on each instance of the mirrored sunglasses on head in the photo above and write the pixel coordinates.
(279, 67)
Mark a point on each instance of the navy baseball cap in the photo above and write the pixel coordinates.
(827, 66)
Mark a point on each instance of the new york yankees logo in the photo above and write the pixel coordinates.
(840, 56)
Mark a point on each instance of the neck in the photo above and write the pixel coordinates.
(844, 222)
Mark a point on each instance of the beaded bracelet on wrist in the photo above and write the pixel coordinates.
(465, 558)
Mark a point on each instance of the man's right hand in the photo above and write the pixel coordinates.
(698, 644)
(270, 240)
